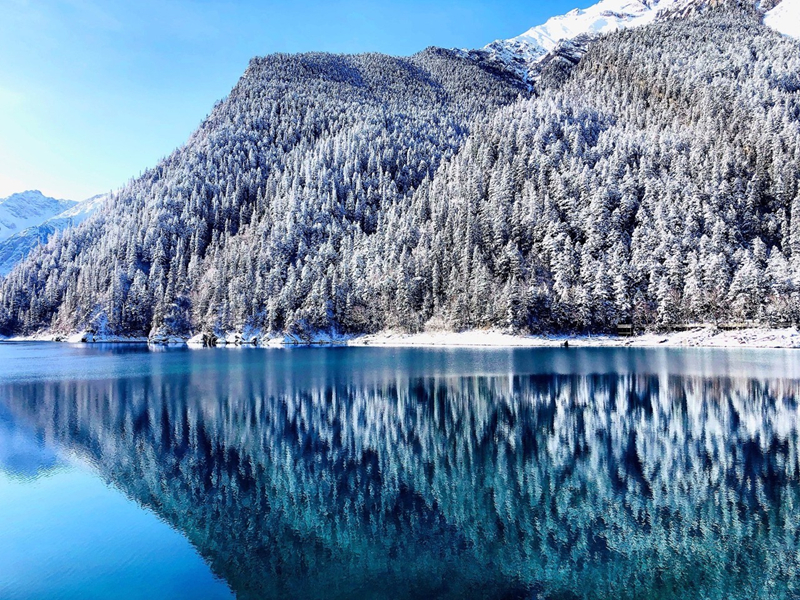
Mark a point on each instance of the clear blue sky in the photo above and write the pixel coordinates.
(94, 91)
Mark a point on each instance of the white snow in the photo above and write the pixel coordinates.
(702, 337)
(28, 209)
(80, 338)
(604, 17)
(706, 337)
(87, 337)
(610, 15)
(785, 18)
(16, 247)
(198, 341)
(81, 211)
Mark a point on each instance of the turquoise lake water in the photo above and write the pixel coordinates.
(398, 473)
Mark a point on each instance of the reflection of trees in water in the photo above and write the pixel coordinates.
(22, 456)
(565, 487)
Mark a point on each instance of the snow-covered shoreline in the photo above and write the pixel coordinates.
(705, 337)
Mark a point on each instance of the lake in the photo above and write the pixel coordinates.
(129, 472)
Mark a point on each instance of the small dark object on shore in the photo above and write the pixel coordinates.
(566, 343)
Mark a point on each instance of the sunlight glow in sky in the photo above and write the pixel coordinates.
(92, 92)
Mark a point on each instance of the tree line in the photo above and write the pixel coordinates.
(656, 181)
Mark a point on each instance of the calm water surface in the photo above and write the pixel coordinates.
(398, 473)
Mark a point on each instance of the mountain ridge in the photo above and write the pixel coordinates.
(16, 247)
(653, 180)
(27, 209)
(524, 52)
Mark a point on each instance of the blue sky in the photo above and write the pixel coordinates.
(92, 92)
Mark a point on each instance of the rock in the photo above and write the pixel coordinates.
(202, 340)
(162, 339)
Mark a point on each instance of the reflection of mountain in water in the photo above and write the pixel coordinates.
(22, 455)
(537, 486)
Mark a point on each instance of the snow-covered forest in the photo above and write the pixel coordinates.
(655, 181)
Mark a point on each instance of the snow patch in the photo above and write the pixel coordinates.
(704, 337)
(162, 339)
(201, 340)
(90, 337)
(256, 337)
(785, 18)
(80, 338)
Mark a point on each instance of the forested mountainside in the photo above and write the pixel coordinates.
(306, 155)
(656, 181)
(660, 184)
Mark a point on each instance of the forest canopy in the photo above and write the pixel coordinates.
(655, 181)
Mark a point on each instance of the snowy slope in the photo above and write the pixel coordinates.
(78, 213)
(604, 17)
(17, 247)
(28, 209)
(524, 52)
(785, 18)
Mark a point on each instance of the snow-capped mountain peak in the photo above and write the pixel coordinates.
(524, 52)
(604, 17)
(16, 247)
(28, 209)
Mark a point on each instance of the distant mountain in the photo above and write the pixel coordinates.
(19, 245)
(604, 17)
(28, 209)
(577, 28)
